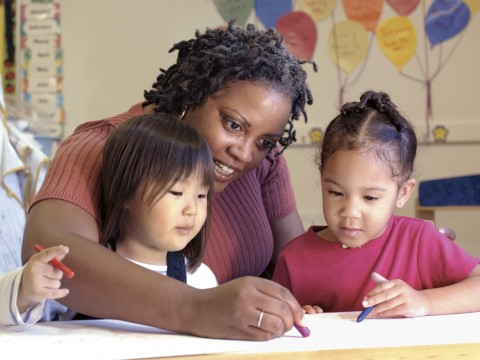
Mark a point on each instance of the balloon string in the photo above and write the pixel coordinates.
(429, 110)
(367, 56)
(337, 56)
(443, 63)
(427, 79)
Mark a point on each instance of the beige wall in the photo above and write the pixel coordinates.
(114, 48)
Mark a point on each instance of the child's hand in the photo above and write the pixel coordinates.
(395, 298)
(40, 280)
(309, 309)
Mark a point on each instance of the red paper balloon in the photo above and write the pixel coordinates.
(403, 7)
(300, 33)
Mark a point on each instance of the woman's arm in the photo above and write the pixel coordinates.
(107, 286)
(284, 230)
(279, 198)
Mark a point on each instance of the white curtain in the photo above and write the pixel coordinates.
(22, 169)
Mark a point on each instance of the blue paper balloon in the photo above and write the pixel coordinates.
(269, 11)
(445, 19)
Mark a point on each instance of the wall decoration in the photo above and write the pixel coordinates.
(397, 38)
(234, 9)
(269, 11)
(348, 46)
(300, 33)
(366, 12)
(316, 135)
(41, 56)
(440, 134)
(473, 5)
(403, 7)
(445, 19)
(318, 9)
(418, 38)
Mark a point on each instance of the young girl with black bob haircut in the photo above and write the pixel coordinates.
(366, 255)
(157, 178)
(154, 198)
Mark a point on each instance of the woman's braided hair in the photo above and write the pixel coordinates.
(229, 54)
(372, 125)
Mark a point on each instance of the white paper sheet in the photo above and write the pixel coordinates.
(110, 339)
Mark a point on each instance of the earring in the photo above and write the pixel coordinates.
(182, 115)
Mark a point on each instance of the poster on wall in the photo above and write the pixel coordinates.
(41, 64)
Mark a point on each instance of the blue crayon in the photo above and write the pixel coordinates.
(364, 313)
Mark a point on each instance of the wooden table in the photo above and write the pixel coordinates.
(334, 336)
(437, 352)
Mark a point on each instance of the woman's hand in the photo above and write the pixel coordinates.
(247, 308)
(448, 233)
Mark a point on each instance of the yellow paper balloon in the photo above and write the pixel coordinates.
(348, 44)
(397, 38)
(473, 5)
(317, 9)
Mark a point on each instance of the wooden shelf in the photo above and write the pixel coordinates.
(428, 212)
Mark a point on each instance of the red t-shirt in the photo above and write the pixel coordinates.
(320, 272)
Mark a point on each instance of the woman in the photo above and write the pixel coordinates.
(240, 89)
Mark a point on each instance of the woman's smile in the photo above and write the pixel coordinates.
(224, 173)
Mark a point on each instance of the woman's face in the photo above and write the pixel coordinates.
(240, 123)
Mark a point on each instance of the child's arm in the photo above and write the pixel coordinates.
(40, 280)
(395, 298)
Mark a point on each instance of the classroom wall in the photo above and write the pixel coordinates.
(113, 50)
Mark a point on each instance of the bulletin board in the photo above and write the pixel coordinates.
(408, 48)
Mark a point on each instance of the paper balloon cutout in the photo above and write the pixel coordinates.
(348, 44)
(300, 34)
(366, 12)
(473, 5)
(403, 7)
(269, 11)
(234, 9)
(397, 38)
(445, 19)
(318, 9)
